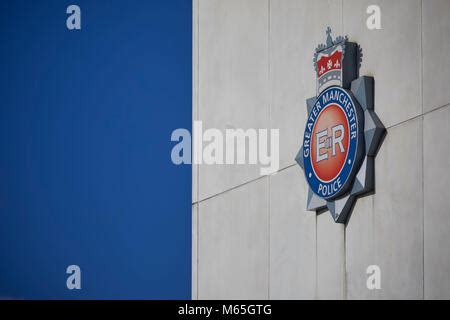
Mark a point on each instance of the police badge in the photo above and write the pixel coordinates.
(342, 133)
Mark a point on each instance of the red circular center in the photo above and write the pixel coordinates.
(330, 141)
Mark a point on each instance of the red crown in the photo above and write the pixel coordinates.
(336, 62)
(328, 63)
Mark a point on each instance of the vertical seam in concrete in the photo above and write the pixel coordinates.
(344, 285)
(316, 289)
(198, 117)
(373, 255)
(374, 250)
(270, 125)
(422, 149)
(344, 289)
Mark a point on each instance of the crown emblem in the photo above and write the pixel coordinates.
(336, 62)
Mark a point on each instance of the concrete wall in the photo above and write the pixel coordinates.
(252, 237)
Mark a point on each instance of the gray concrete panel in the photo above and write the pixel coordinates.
(292, 238)
(436, 58)
(194, 251)
(398, 210)
(233, 80)
(330, 258)
(195, 66)
(233, 256)
(392, 55)
(359, 249)
(296, 28)
(436, 129)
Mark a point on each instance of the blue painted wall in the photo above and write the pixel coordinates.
(85, 170)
